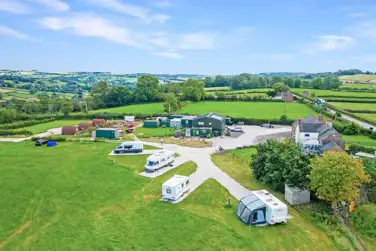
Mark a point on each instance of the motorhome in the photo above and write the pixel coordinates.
(130, 147)
(175, 187)
(159, 160)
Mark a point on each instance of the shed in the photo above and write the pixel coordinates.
(187, 121)
(175, 123)
(69, 130)
(296, 196)
(210, 120)
(84, 125)
(151, 123)
(98, 122)
(288, 97)
(261, 207)
(129, 119)
(107, 133)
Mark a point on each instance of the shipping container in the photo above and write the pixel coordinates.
(107, 133)
(151, 124)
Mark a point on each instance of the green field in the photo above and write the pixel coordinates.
(40, 128)
(259, 110)
(359, 140)
(219, 88)
(151, 108)
(358, 77)
(363, 221)
(369, 116)
(359, 86)
(325, 93)
(74, 197)
(354, 106)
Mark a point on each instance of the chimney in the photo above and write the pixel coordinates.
(321, 117)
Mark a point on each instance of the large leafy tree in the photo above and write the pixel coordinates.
(336, 177)
(280, 87)
(277, 164)
(66, 107)
(147, 89)
(117, 96)
(193, 89)
(98, 94)
(171, 103)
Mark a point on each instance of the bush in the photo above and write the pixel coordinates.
(57, 138)
(352, 129)
(353, 149)
(373, 135)
(363, 220)
(21, 124)
(15, 132)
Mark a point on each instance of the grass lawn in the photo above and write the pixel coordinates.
(359, 86)
(259, 110)
(40, 128)
(324, 93)
(75, 195)
(369, 116)
(151, 108)
(354, 106)
(239, 169)
(359, 140)
(159, 132)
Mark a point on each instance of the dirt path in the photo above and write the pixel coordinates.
(16, 232)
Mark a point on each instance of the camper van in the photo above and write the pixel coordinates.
(129, 147)
(261, 207)
(175, 187)
(159, 160)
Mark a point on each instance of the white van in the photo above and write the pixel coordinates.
(130, 147)
(175, 187)
(158, 160)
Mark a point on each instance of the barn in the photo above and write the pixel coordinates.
(69, 130)
(210, 120)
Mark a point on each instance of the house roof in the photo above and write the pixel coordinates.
(212, 115)
(332, 146)
(188, 117)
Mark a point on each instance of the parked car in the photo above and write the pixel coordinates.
(41, 142)
(236, 129)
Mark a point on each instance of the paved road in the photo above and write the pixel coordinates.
(206, 169)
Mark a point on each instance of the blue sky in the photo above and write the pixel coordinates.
(187, 36)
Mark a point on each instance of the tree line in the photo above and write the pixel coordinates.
(249, 81)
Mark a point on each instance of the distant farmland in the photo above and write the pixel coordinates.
(359, 78)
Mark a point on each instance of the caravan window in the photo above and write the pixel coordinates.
(182, 185)
(187, 182)
(245, 215)
(168, 191)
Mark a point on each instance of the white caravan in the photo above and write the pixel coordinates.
(175, 187)
(158, 160)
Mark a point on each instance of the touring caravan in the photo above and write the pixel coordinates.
(261, 207)
(130, 147)
(159, 160)
(175, 187)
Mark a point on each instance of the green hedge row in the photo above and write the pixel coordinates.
(58, 138)
(351, 101)
(353, 149)
(241, 98)
(21, 124)
(336, 96)
(361, 111)
(14, 132)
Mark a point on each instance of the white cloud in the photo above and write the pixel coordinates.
(273, 56)
(90, 25)
(56, 5)
(13, 6)
(130, 10)
(367, 29)
(163, 3)
(329, 43)
(160, 41)
(358, 14)
(169, 54)
(6, 31)
(160, 18)
(197, 41)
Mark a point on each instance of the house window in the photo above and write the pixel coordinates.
(209, 123)
(306, 135)
(168, 191)
(201, 123)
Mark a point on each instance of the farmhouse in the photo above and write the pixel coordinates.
(317, 136)
(261, 207)
(288, 97)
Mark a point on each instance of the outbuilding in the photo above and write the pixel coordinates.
(129, 119)
(288, 97)
(175, 123)
(107, 133)
(175, 187)
(69, 130)
(98, 122)
(151, 123)
(260, 208)
(84, 125)
(187, 121)
(296, 196)
(210, 120)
